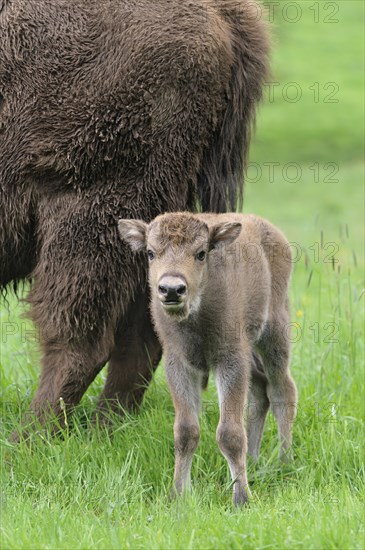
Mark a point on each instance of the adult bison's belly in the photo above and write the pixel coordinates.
(117, 90)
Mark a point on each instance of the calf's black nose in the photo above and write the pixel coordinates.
(172, 293)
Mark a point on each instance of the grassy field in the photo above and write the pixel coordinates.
(93, 489)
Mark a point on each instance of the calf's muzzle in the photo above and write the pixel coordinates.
(172, 290)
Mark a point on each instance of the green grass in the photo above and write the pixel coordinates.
(93, 489)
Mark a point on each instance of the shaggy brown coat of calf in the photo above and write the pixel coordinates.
(219, 288)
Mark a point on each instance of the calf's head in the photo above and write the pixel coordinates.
(178, 247)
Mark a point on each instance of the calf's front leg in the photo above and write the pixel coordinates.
(232, 386)
(185, 385)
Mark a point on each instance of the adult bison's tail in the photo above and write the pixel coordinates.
(221, 178)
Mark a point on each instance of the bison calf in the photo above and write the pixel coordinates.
(219, 285)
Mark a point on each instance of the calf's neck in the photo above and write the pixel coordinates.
(219, 301)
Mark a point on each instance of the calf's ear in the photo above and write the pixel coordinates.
(133, 232)
(224, 233)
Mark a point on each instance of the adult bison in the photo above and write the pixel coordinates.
(113, 109)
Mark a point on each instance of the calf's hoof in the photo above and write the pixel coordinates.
(240, 499)
(175, 493)
(286, 456)
(241, 496)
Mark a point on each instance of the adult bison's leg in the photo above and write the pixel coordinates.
(83, 284)
(134, 359)
(68, 370)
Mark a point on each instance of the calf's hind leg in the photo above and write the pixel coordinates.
(258, 406)
(281, 389)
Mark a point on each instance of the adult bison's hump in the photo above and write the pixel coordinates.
(113, 89)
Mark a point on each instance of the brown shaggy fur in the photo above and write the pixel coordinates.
(113, 109)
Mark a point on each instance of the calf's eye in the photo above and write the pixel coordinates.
(201, 255)
(150, 255)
